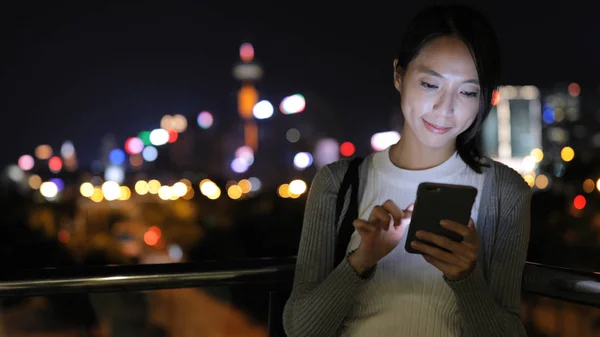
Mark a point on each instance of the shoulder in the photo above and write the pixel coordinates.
(337, 169)
(509, 183)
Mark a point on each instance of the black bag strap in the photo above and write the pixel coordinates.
(350, 181)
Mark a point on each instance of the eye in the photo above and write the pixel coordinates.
(471, 94)
(428, 86)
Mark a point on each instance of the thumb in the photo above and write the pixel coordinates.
(411, 207)
(471, 224)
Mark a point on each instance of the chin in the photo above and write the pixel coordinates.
(436, 141)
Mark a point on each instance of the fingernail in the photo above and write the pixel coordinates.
(414, 244)
(419, 234)
(443, 223)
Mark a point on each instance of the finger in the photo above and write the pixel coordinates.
(436, 253)
(362, 226)
(454, 226)
(394, 210)
(464, 252)
(411, 207)
(439, 240)
(380, 217)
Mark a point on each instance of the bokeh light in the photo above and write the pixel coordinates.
(495, 97)
(541, 181)
(579, 202)
(256, 184)
(209, 189)
(97, 196)
(239, 165)
(303, 160)
(141, 187)
(115, 173)
(529, 179)
(153, 186)
(537, 155)
(589, 186)
(111, 190)
(567, 154)
(382, 140)
(166, 122)
(165, 192)
(179, 189)
(64, 236)
(43, 152)
(326, 152)
(134, 145)
(263, 110)
(67, 149)
(246, 52)
(297, 187)
(15, 173)
(173, 135)
(151, 238)
(574, 89)
(205, 119)
(60, 184)
(179, 123)
(246, 154)
(136, 160)
(292, 135)
(347, 149)
(55, 164)
(284, 191)
(125, 193)
(35, 182)
(292, 104)
(144, 136)
(116, 157)
(159, 137)
(150, 153)
(234, 192)
(548, 115)
(245, 185)
(48, 189)
(26, 162)
(86, 189)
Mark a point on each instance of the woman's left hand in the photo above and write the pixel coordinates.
(460, 260)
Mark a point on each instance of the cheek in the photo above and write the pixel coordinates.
(468, 115)
(415, 103)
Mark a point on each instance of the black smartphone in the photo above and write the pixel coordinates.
(436, 202)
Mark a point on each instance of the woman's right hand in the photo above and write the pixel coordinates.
(380, 234)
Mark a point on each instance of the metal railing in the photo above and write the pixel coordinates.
(276, 274)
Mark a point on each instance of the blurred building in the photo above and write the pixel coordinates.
(514, 127)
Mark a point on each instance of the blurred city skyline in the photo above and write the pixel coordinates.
(81, 73)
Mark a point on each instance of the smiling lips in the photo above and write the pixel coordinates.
(438, 130)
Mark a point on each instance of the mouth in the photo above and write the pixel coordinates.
(436, 129)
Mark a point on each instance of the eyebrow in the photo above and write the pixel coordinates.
(436, 74)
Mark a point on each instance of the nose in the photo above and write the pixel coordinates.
(445, 104)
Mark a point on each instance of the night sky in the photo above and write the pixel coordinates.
(79, 71)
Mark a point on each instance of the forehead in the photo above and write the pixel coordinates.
(447, 54)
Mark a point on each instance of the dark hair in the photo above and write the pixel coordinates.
(476, 32)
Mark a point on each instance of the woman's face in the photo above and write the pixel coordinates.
(439, 92)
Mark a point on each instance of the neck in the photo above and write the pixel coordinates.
(410, 154)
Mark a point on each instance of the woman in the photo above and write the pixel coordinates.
(445, 72)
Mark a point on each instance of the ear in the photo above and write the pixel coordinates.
(398, 76)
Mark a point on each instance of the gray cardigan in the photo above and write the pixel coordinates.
(489, 299)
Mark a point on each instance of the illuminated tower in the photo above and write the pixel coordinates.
(248, 73)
